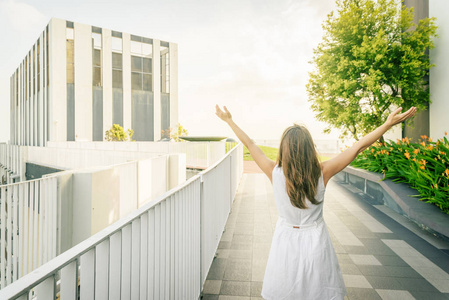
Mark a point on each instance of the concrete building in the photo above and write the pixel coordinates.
(433, 122)
(77, 80)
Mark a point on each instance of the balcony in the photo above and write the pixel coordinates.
(198, 239)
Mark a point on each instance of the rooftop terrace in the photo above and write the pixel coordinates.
(382, 254)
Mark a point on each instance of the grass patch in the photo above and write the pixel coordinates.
(271, 153)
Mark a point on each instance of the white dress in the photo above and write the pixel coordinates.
(302, 263)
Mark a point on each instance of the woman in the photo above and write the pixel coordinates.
(302, 263)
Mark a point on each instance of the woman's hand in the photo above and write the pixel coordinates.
(396, 118)
(224, 115)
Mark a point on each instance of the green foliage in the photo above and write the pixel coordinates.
(271, 153)
(372, 58)
(117, 133)
(230, 145)
(424, 166)
(175, 135)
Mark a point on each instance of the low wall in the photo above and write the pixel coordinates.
(95, 198)
(397, 196)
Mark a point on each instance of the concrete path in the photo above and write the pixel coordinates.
(382, 255)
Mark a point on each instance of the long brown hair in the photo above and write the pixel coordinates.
(299, 161)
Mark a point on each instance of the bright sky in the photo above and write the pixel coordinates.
(250, 55)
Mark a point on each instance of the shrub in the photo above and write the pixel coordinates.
(424, 166)
(117, 133)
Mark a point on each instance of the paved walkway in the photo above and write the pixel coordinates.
(382, 255)
(250, 166)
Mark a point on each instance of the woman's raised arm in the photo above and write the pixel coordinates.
(338, 163)
(264, 163)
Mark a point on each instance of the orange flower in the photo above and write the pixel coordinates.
(423, 162)
(430, 140)
(445, 133)
(423, 144)
(446, 172)
(424, 137)
(372, 150)
(430, 148)
(407, 155)
(414, 159)
(422, 167)
(416, 151)
(438, 142)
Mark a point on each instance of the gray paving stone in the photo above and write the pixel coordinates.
(242, 238)
(391, 260)
(362, 294)
(242, 245)
(217, 269)
(235, 288)
(237, 253)
(395, 294)
(238, 269)
(209, 297)
(380, 282)
(224, 245)
(356, 249)
(350, 269)
(421, 295)
(344, 258)
(389, 271)
(256, 288)
(414, 284)
(212, 287)
(226, 297)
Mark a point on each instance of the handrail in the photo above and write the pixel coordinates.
(39, 275)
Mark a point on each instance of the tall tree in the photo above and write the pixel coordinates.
(372, 58)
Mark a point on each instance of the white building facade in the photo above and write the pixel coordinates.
(78, 80)
(439, 75)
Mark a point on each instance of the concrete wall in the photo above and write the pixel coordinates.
(92, 199)
(439, 75)
(107, 79)
(420, 125)
(58, 81)
(173, 85)
(157, 89)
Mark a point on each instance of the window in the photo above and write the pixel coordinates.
(141, 64)
(38, 66)
(117, 44)
(96, 59)
(70, 56)
(165, 68)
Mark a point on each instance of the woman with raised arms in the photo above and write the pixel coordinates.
(302, 263)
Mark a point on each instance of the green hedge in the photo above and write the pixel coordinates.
(424, 166)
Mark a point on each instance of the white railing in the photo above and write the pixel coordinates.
(163, 250)
(11, 160)
(219, 186)
(28, 222)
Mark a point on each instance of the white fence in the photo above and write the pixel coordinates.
(28, 237)
(163, 250)
(41, 218)
(10, 161)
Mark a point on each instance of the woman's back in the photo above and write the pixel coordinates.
(289, 213)
(302, 263)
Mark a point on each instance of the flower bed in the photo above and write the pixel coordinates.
(424, 166)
